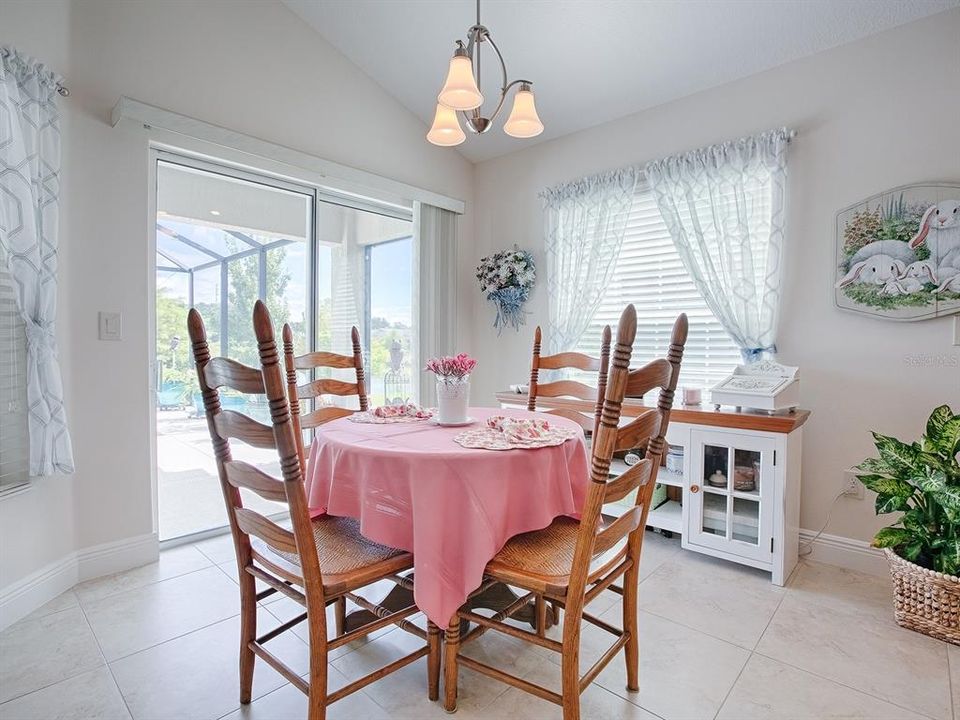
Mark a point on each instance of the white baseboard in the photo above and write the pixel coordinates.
(845, 552)
(22, 597)
(109, 558)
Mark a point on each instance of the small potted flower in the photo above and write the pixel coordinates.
(453, 387)
(922, 481)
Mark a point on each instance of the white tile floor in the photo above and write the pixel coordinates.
(717, 641)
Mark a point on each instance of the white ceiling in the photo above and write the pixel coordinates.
(591, 60)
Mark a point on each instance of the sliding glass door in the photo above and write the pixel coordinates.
(223, 242)
(322, 262)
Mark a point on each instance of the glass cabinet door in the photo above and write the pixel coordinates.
(731, 490)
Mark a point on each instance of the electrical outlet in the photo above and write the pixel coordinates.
(852, 487)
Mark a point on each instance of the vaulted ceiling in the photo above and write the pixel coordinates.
(591, 60)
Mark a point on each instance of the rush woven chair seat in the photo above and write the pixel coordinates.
(318, 563)
(571, 562)
(542, 559)
(346, 557)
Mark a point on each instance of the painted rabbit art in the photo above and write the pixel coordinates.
(940, 231)
(895, 266)
(878, 263)
(898, 253)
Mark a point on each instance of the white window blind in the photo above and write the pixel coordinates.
(650, 275)
(14, 447)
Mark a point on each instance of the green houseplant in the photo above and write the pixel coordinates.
(921, 480)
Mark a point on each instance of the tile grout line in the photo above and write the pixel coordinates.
(176, 637)
(70, 676)
(80, 600)
(750, 656)
(628, 700)
(732, 686)
(805, 601)
(843, 684)
(104, 657)
(50, 685)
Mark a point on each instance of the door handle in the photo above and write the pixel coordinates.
(694, 488)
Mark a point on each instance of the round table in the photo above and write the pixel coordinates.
(413, 487)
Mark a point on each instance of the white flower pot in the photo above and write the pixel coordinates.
(452, 401)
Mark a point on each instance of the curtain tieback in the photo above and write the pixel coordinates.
(40, 340)
(752, 355)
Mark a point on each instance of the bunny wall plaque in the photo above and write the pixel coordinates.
(898, 253)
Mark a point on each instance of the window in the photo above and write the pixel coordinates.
(650, 275)
(322, 262)
(366, 280)
(14, 439)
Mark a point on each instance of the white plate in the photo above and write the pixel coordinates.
(468, 421)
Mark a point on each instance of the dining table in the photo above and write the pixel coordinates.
(412, 486)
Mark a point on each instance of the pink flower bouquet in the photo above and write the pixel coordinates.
(452, 369)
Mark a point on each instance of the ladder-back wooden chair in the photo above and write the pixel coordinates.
(316, 388)
(315, 564)
(319, 387)
(572, 562)
(570, 388)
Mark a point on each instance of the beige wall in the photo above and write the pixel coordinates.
(250, 66)
(871, 115)
(37, 527)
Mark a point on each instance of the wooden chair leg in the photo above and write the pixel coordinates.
(541, 607)
(556, 612)
(340, 614)
(570, 682)
(450, 671)
(570, 667)
(631, 651)
(248, 633)
(433, 661)
(317, 698)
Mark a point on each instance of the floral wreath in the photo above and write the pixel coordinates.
(507, 278)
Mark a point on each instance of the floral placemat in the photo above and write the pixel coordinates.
(506, 433)
(389, 414)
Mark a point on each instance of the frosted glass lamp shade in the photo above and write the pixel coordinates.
(460, 91)
(523, 121)
(446, 130)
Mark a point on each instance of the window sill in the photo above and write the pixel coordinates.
(14, 490)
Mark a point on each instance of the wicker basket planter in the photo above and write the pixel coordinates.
(924, 600)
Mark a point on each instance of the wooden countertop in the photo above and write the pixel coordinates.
(726, 417)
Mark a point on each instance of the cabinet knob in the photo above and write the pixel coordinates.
(694, 488)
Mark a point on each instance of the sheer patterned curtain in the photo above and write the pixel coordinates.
(584, 222)
(724, 208)
(347, 291)
(29, 216)
(435, 266)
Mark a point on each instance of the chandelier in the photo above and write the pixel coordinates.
(461, 94)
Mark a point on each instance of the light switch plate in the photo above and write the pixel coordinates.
(111, 325)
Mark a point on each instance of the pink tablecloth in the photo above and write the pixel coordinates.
(412, 487)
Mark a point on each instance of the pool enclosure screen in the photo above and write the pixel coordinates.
(321, 262)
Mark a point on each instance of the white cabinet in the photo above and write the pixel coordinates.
(731, 493)
(741, 495)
